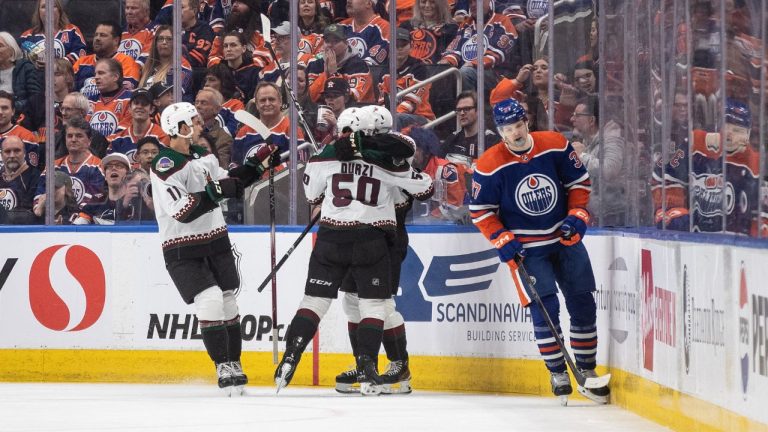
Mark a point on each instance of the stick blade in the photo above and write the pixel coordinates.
(597, 382)
(252, 122)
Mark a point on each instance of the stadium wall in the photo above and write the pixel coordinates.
(683, 320)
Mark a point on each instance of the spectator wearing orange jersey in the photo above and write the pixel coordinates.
(138, 32)
(106, 40)
(33, 151)
(109, 107)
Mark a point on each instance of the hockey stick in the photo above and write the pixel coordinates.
(252, 122)
(289, 252)
(590, 383)
(266, 28)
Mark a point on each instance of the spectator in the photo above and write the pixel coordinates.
(135, 205)
(339, 60)
(34, 113)
(464, 142)
(208, 104)
(146, 150)
(281, 43)
(110, 105)
(219, 77)
(432, 29)
(33, 151)
(207, 142)
(500, 36)
(245, 19)
(162, 96)
(240, 63)
(308, 107)
(139, 30)
(312, 21)
(80, 164)
(367, 33)
(125, 140)
(102, 210)
(70, 41)
(64, 203)
(197, 37)
(593, 55)
(17, 74)
(75, 105)
(157, 66)
(214, 12)
(602, 152)
(18, 184)
(337, 98)
(451, 198)
(106, 40)
(414, 108)
(268, 103)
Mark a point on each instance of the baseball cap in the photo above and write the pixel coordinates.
(282, 29)
(336, 86)
(119, 157)
(62, 179)
(144, 95)
(334, 31)
(403, 34)
(159, 88)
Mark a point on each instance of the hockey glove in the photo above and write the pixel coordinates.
(677, 219)
(218, 190)
(347, 146)
(574, 226)
(507, 247)
(253, 168)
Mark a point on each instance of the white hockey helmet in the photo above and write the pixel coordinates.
(177, 113)
(382, 118)
(356, 119)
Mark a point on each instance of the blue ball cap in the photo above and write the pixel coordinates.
(508, 111)
(737, 113)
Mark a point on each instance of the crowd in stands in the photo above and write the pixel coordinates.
(111, 86)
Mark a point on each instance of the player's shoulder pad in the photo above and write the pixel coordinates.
(199, 150)
(548, 140)
(167, 162)
(327, 153)
(493, 159)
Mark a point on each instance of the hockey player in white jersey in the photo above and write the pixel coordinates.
(374, 120)
(187, 186)
(357, 224)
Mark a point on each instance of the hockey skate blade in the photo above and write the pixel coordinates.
(400, 388)
(563, 400)
(602, 400)
(347, 388)
(369, 389)
(280, 380)
(597, 382)
(227, 391)
(239, 391)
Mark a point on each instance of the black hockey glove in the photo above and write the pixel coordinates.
(348, 145)
(253, 168)
(218, 190)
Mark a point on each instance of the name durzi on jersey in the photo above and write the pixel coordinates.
(357, 168)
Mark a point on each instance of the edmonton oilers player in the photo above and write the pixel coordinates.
(529, 198)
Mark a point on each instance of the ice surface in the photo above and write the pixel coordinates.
(191, 408)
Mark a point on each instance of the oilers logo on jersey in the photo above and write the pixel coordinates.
(358, 46)
(130, 47)
(8, 199)
(536, 194)
(89, 88)
(469, 49)
(708, 194)
(78, 189)
(104, 122)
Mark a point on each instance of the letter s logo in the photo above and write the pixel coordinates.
(80, 275)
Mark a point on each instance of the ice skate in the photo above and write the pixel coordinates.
(561, 386)
(226, 379)
(239, 378)
(371, 382)
(348, 382)
(397, 378)
(287, 367)
(600, 395)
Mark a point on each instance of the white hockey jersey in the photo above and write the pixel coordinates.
(360, 192)
(177, 180)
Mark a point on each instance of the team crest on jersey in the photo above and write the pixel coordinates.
(164, 164)
(8, 199)
(130, 47)
(78, 189)
(536, 195)
(469, 49)
(104, 122)
(537, 8)
(34, 158)
(423, 44)
(89, 88)
(358, 46)
(131, 155)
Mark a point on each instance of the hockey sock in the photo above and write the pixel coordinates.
(548, 348)
(303, 325)
(234, 339)
(352, 329)
(369, 334)
(395, 343)
(583, 312)
(215, 340)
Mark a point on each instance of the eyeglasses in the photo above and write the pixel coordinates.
(165, 39)
(465, 109)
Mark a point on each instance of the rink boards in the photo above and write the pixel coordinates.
(683, 326)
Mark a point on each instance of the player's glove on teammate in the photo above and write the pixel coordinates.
(574, 226)
(507, 247)
(254, 167)
(218, 190)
